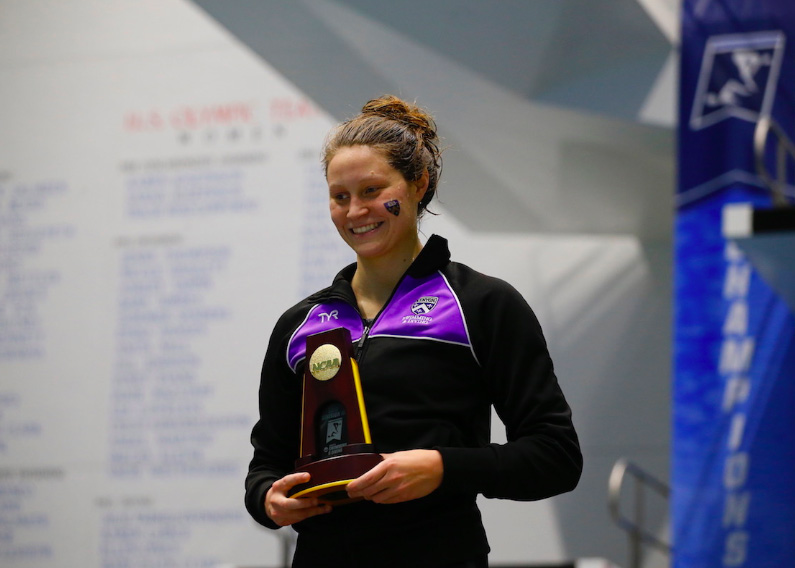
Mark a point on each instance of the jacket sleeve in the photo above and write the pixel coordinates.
(276, 436)
(542, 457)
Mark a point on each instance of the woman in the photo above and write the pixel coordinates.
(437, 345)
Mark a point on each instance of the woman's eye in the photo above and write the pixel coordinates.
(370, 190)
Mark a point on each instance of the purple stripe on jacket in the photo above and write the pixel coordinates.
(323, 317)
(421, 308)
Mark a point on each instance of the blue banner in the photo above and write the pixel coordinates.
(734, 386)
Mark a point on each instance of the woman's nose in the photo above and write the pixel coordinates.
(357, 208)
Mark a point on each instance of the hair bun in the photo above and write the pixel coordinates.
(393, 108)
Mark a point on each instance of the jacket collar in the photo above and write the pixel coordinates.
(433, 256)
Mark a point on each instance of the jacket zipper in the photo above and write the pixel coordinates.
(360, 343)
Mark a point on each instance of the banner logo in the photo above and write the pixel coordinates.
(738, 78)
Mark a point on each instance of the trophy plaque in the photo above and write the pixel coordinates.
(335, 437)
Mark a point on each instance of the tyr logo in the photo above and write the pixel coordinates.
(326, 316)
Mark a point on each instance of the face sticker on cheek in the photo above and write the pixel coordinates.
(393, 207)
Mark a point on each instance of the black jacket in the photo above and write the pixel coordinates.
(448, 345)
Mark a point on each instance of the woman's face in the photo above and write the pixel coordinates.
(372, 205)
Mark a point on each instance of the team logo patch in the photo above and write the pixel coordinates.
(424, 305)
(738, 78)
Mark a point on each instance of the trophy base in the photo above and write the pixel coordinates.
(331, 475)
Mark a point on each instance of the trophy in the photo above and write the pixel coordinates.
(335, 437)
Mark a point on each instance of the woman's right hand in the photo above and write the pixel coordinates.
(284, 510)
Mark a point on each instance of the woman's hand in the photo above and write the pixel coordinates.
(284, 510)
(402, 476)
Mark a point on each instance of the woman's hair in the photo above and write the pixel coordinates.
(404, 132)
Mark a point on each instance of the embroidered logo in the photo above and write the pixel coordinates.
(424, 305)
(738, 78)
(327, 316)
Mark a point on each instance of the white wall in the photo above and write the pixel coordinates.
(160, 205)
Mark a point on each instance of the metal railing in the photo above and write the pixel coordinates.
(635, 526)
(784, 149)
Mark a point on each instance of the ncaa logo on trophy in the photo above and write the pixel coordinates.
(336, 446)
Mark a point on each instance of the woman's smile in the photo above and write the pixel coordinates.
(365, 229)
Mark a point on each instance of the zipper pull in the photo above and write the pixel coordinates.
(362, 339)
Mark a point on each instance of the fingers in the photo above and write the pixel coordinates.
(402, 476)
(385, 483)
(368, 485)
(363, 485)
(284, 510)
(289, 481)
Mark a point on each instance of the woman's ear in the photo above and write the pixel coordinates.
(421, 185)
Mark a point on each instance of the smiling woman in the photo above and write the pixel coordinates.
(362, 189)
(382, 169)
(437, 344)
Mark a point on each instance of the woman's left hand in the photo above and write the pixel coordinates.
(402, 476)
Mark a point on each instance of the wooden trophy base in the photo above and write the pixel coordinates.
(330, 476)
